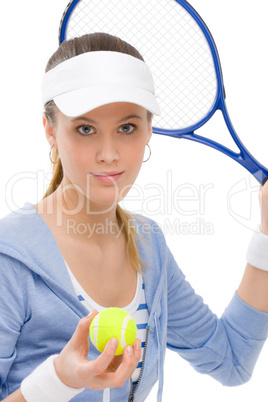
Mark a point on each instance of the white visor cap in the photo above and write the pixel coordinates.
(94, 79)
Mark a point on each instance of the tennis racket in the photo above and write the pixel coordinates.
(182, 55)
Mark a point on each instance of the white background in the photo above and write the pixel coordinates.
(213, 263)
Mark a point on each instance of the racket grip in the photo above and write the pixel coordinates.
(264, 181)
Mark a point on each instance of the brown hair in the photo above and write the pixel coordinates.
(67, 50)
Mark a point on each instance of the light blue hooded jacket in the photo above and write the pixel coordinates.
(39, 312)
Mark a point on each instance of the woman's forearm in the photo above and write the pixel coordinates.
(15, 397)
(253, 289)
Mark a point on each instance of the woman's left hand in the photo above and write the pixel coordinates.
(253, 289)
(108, 370)
(263, 199)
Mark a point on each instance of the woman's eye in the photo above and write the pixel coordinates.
(127, 128)
(85, 130)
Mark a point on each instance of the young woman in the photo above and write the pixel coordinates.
(77, 252)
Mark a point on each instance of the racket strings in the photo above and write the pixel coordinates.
(173, 46)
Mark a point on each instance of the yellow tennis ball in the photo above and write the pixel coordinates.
(110, 323)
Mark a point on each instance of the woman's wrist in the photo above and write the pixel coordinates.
(257, 253)
(44, 385)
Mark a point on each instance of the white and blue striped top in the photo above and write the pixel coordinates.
(137, 308)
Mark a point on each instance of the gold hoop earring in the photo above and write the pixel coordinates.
(50, 156)
(150, 153)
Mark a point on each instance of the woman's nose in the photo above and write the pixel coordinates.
(108, 151)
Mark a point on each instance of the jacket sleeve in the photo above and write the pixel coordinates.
(12, 313)
(225, 348)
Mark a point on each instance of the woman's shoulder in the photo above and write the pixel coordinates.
(16, 221)
(22, 232)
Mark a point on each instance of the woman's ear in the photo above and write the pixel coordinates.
(49, 131)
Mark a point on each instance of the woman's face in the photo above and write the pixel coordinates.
(102, 151)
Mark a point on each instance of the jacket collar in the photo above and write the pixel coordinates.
(25, 236)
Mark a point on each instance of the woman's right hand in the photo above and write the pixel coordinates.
(108, 371)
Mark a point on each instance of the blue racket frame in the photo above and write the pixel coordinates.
(64, 20)
(244, 157)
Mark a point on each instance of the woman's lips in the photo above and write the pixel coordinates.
(107, 177)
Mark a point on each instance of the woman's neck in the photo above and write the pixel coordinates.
(78, 217)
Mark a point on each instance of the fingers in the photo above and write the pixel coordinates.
(131, 358)
(74, 354)
(102, 363)
(263, 201)
(125, 370)
(108, 370)
(79, 340)
(137, 349)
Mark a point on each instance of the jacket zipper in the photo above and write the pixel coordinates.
(132, 394)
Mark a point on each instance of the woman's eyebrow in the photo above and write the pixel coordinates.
(131, 116)
(83, 118)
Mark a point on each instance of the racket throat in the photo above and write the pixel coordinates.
(244, 158)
